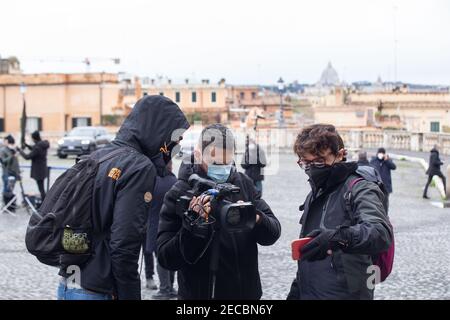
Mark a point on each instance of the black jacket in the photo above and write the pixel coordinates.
(343, 275)
(238, 275)
(384, 167)
(38, 157)
(435, 163)
(252, 162)
(122, 201)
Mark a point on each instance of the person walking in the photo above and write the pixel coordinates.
(434, 169)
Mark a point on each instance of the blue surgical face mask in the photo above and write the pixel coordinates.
(219, 173)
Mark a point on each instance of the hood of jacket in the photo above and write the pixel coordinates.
(434, 150)
(153, 122)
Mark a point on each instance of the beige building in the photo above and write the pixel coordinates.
(248, 101)
(416, 112)
(200, 101)
(56, 103)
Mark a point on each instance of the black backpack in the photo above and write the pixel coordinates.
(60, 233)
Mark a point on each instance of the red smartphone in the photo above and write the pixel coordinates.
(297, 246)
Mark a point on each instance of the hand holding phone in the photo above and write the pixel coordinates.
(297, 246)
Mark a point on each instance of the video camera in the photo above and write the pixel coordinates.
(230, 216)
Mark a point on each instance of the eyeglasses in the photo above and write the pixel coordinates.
(317, 163)
(305, 165)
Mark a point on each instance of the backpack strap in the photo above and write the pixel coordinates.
(348, 199)
(111, 154)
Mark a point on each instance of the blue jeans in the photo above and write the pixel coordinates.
(65, 293)
(5, 182)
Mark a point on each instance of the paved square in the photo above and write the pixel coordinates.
(422, 262)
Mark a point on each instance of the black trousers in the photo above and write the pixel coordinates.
(40, 184)
(149, 261)
(430, 178)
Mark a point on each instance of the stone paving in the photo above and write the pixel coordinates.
(422, 265)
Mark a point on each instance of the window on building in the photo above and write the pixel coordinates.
(213, 97)
(34, 124)
(434, 126)
(242, 95)
(2, 125)
(177, 96)
(81, 122)
(194, 96)
(253, 95)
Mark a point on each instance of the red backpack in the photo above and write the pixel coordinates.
(384, 260)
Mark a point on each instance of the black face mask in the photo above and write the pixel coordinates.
(319, 176)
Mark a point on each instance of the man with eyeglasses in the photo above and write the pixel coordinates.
(188, 249)
(334, 265)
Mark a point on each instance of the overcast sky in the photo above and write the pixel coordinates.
(243, 41)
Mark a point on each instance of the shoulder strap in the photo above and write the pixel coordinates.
(111, 154)
(348, 198)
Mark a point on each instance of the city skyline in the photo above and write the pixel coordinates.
(243, 42)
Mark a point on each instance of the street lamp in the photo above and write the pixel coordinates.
(23, 120)
(101, 87)
(280, 90)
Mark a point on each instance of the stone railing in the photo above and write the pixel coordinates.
(284, 139)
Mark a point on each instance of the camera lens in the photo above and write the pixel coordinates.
(234, 216)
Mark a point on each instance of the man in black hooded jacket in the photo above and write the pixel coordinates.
(123, 192)
(188, 250)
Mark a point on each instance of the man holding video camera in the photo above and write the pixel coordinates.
(211, 222)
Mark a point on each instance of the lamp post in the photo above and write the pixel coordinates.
(23, 120)
(101, 87)
(280, 90)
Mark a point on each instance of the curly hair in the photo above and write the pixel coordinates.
(317, 138)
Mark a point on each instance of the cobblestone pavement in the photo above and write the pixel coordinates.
(421, 270)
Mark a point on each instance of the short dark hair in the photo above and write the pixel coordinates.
(36, 135)
(381, 150)
(10, 139)
(317, 138)
(218, 135)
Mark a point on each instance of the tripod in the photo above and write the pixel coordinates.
(27, 202)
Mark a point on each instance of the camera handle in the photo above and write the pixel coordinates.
(215, 253)
(214, 263)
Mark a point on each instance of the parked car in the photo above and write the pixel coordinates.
(83, 140)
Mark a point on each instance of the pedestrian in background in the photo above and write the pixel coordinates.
(38, 157)
(362, 159)
(164, 182)
(11, 170)
(6, 154)
(253, 162)
(384, 165)
(434, 169)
